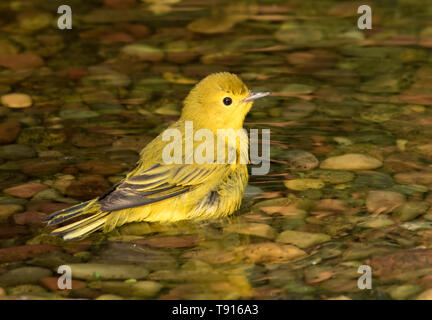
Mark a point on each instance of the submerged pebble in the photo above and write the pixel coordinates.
(352, 161)
(16, 100)
(140, 289)
(27, 190)
(304, 184)
(23, 275)
(383, 201)
(94, 271)
(302, 239)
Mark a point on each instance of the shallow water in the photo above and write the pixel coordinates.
(102, 90)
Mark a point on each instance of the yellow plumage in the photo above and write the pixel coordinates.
(159, 192)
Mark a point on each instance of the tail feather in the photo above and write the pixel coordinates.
(82, 228)
(68, 213)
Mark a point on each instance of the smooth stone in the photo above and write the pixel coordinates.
(299, 288)
(332, 176)
(417, 225)
(297, 110)
(33, 21)
(62, 182)
(26, 289)
(211, 256)
(182, 241)
(9, 131)
(302, 239)
(297, 208)
(140, 289)
(7, 47)
(385, 201)
(109, 297)
(382, 84)
(270, 252)
(404, 292)
(381, 112)
(87, 187)
(20, 61)
(124, 252)
(425, 295)
(252, 191)
(27, 190)
(6, 210)
(410, 210)
(300, 160)
(41, 136)
(100, 167)
(16, 151)
(168, 110)
(95, 271)
(254, 229)
(340, 284)
(29, 218)
(78, 114)
(351, 161)
(374, 180)
(24, 252)
(23, 275)
(143, 52)
(41, 167)
(48, 194)
(415, 177)
(211, 25)
(377, 222)
(16, 100)
(105, 77)
(304, 184)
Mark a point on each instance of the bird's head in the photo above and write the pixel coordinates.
(219, 101)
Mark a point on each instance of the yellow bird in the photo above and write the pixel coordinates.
(157, 191)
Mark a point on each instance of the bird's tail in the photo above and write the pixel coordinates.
(81, 228)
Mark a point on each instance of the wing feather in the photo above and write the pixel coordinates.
(157, 183)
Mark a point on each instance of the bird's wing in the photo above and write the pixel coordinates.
(157, 183)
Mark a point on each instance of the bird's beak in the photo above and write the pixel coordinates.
(255, 95)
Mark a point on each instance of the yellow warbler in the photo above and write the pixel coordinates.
(165, 188)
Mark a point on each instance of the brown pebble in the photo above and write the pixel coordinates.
(21, 61)
(171, 241)
(29, 217)
(19, 253)
(46, 207)
(116, 37)
(12, 231)
(41, 167)
(138, 30)
(9, 131)
(100, 167)
(87, 187)
(27, 190)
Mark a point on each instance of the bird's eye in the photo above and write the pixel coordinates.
(227, 101)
